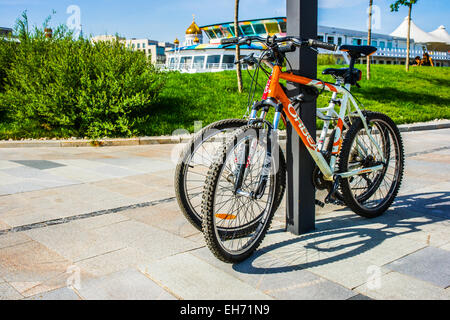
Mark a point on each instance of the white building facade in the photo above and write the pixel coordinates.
(154, 50)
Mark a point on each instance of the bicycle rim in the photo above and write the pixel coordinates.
(373, 190)
(197, 164)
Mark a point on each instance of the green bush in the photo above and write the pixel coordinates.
(65, 87)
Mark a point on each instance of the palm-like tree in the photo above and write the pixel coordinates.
(238, 51)
(394, 7)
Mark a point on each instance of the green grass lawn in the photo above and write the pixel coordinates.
(421, 95)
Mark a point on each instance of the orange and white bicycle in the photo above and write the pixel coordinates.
(363, 168)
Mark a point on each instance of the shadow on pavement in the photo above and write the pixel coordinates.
(342, 237)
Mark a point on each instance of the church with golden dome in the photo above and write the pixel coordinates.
(193, 35)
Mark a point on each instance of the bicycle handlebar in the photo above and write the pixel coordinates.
(323, 45)
(233, 40)
(295, 41)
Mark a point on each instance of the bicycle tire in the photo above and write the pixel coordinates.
(209, 193)
(182, 168)
(358, 204)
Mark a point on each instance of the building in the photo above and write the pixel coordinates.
(155, 50)
(5, 32)
(211, 57)
(194, 35)
(106, 38)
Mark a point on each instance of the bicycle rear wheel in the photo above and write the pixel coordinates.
(371, 194)
(194, 163)
(248, 210)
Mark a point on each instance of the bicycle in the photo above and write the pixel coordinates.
(199, 151)
(366, 165)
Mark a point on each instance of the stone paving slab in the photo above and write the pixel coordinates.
(64, 293)
(396, 286)
(166, 217)
(114, 261)
(152, 241)
(189, 277)
(39, 164)
(32, 268)
(74, 243)
(7, 292)
(13, 239)
(429, 264)
(350, 273)
(100, 221)
(261, 272)
(123, 285)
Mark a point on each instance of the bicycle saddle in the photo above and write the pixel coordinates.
(358, 51)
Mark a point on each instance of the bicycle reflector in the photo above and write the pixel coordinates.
(225, 216)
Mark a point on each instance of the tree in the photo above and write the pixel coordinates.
(369, 37)
(394, 7)
(238, 51)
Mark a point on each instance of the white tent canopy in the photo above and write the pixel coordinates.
(417, 34)
(441, 34)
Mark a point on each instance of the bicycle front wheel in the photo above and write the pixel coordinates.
(371, 194)
(236, 200)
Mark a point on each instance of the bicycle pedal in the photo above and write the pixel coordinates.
(330, 197)
(337, 202)
(320, 203)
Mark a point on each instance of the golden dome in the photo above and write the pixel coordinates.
(193, 28)
(176, 41)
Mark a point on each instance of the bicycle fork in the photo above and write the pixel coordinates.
(243, 167)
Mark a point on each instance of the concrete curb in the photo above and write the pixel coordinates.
(444, 124)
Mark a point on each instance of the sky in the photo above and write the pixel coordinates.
(164, 20)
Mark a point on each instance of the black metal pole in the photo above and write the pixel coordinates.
(301, 21)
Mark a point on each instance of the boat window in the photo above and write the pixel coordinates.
(231, 30)
(272, 28)
(259, 28)
(228, 58)
(218, 32)
(210, 34)
(199, 61)
(247, 30)
(282, 26)
(213, 59)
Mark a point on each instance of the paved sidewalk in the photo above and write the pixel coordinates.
(102, 223)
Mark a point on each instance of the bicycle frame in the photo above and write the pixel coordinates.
(276, 92)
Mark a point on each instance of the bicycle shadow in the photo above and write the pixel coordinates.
(346, 236)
